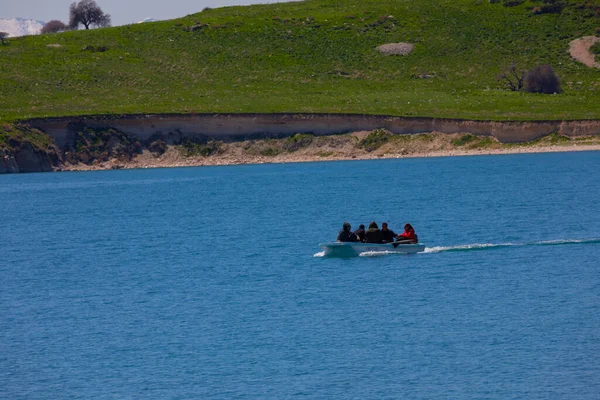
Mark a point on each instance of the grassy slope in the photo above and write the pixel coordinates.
(312, 56)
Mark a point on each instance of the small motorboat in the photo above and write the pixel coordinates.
(353, 249)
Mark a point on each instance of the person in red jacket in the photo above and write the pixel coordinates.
(408, 235)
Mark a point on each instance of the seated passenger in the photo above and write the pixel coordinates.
(360, 233)
(346, 234)
(388, 234)
(373, 234)
(409, 235)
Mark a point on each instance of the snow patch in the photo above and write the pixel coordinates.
(20, 26)
(147, 20)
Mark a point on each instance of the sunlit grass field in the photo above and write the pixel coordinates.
(314, 56)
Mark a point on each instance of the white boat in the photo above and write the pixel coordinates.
(353, 249)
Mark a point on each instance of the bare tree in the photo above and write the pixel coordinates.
(87, 13)
(54, 26)
(513, 77)
(3, 35)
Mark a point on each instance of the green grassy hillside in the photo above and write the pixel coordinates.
(312, 56)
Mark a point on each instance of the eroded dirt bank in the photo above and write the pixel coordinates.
(235, 127)
(171, 141)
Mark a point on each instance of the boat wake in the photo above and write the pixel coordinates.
(377, 253)
(482, 246)
(365, 253)
(490, 246)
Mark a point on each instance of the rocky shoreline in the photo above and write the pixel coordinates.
(29, 149)
(173, 159)
(364, 145)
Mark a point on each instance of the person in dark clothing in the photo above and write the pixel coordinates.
(346, 234)
(388, 234)
(360, 233)
(373, 234)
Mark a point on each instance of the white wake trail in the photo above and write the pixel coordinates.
(483, 246)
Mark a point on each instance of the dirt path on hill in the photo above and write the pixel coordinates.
(580, 50)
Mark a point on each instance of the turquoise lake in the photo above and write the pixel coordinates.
(208, 283)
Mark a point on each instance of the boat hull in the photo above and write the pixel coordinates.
(353, 249)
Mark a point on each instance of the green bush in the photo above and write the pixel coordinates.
(158, 147)
(555, 138)
(595, 49)
(101, 144)
(512, 3)
(297, 142)
(12, 136)
(471, 141)
(483, 142)
(269, 152)
(324, 154)
(264, 147)
(550, 7)
(192, 148)
(464, 139)
(375, 140)
(542, 79)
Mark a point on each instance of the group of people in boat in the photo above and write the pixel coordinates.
(376, 235)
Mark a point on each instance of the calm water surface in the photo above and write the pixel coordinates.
(207, 282)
